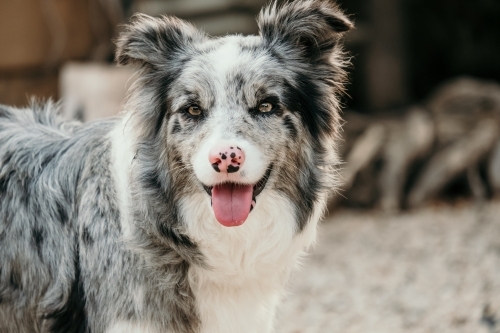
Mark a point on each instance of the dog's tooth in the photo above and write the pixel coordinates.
(252, 205)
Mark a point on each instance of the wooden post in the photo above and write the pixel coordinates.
(387, 77)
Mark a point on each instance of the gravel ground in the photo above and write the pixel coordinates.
(432, 270)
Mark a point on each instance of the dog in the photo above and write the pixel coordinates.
(189, 211)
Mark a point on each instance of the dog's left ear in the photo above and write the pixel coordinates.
(312, 26)
(150, 40)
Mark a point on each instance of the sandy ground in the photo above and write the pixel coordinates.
(432, 270)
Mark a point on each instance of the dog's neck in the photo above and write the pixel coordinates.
(248, 266)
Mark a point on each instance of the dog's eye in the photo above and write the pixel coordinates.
(194, 110)
(266, 107)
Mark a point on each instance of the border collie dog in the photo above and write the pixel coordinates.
(189, 212)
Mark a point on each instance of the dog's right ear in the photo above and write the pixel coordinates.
(149, 40)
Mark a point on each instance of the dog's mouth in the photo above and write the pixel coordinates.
(233, 202)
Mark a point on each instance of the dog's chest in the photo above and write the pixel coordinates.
(132, 327)
(248, 266)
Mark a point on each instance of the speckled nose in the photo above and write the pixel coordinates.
(227, 158)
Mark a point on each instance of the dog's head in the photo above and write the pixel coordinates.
(238, 115)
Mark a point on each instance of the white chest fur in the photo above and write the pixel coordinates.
(249, 265)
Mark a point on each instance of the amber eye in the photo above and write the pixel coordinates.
(194, 110)
(265, 107)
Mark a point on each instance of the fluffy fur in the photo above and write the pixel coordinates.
(108, 226)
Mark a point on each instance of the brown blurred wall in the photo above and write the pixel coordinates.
(37, 36)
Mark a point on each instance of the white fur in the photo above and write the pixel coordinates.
(122, 155)
(249, 265)
(130, 327)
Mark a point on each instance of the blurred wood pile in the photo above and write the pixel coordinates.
(452, 139)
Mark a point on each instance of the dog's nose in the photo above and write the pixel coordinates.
(227, 158)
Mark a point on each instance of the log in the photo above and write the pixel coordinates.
(494, 169)
(408, 141)
(354, 126)
(364, 192)
(460, 104)
(452, 161)
(364, 151)
(476, 184)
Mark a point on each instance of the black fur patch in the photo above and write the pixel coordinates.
(288, 122)
(46, 160)
(72, 318)
(4, 181)
(308, 194)
(239, 81)
(306, 100)
(86, 238)
(15, 277)
(151, 180)
(175, 237)
(176, 128)
(61, 213)
(37, 236)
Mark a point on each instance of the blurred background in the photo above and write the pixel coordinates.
(413, 241)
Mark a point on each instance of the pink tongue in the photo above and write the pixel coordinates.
(231, 203)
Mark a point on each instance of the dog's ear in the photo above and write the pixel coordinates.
(149, 40)
(311, 26)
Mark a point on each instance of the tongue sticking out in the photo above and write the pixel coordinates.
(231, 203)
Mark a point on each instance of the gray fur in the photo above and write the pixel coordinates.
(64, 266)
